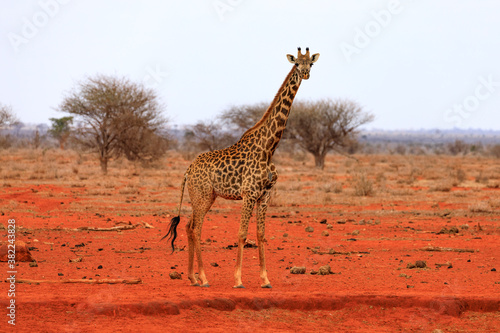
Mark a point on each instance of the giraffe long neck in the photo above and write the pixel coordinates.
(268, 131)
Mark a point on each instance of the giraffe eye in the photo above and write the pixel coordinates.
(296, 64)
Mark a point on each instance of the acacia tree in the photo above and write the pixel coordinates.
(322, 126)
(61, 129)
(7, 117)
(242, 117)
(209, 135)
(115, 116)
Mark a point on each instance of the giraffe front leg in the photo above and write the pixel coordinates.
(261, 239)
(246, 213)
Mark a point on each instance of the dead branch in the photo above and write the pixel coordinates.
(445, 249)
(101, 281)
(117, 228)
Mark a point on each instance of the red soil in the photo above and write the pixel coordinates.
(370, 290)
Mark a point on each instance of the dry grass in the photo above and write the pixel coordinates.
(374, 179)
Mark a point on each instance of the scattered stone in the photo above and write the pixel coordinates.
(404, 275)
(99, 267)
(451, 231)
(493, 269)
(297, 270)
(309, 229)
(76, 260)
(214, 264)
(22, 252)
(325, 270)
(464, 227)
(323, 221)
(420, 264)
(341, 221)
(175, 275)
(285, 235)
(362, 222)
(417, 264)
(33, 264)
(60, 274)
(355, 233)
(325, 233)
(329, 226)
(250, 243)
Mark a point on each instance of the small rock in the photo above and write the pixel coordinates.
(355, 233)
(60, 274)
(325, 270)
(325, 233)
(99, 267)
(493, 269)
(329, 226)
(341, 222)
(76, 260)
(323, 221)
(362, 222)
(464, 227)
(22, 252)
(175, 276)
(33, 264)
(285, 235)
(214, 264)
(297, 270)
(309, 229)
(420, 264)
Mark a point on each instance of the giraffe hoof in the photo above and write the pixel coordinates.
(195, 284)
(206, 285)
(239, 287)
(266, 286)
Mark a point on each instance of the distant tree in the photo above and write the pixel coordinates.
(458, 147)
(495, 150)
(242, 117)
(209, 135)
(61, 129)
(115, 116)
(325, 125)
(7, 117)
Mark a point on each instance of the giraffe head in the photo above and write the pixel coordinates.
(303, 62)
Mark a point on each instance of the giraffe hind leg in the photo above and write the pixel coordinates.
(200, 208)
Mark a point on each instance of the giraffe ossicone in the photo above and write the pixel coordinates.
(243, 171)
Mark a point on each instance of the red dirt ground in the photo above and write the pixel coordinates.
(371, 288)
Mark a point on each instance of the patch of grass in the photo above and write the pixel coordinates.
(362, 185)
(480, 207)
(443, 186)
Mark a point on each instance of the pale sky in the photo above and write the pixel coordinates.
(413, 64)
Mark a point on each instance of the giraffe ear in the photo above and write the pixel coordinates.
(291, 58)
(315, 57)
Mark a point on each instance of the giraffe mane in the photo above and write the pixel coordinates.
(273, 104)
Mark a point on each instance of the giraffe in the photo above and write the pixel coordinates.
(243, 171)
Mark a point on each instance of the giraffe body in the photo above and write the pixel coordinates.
(243, 171)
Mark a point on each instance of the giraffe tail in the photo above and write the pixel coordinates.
(172, 228)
